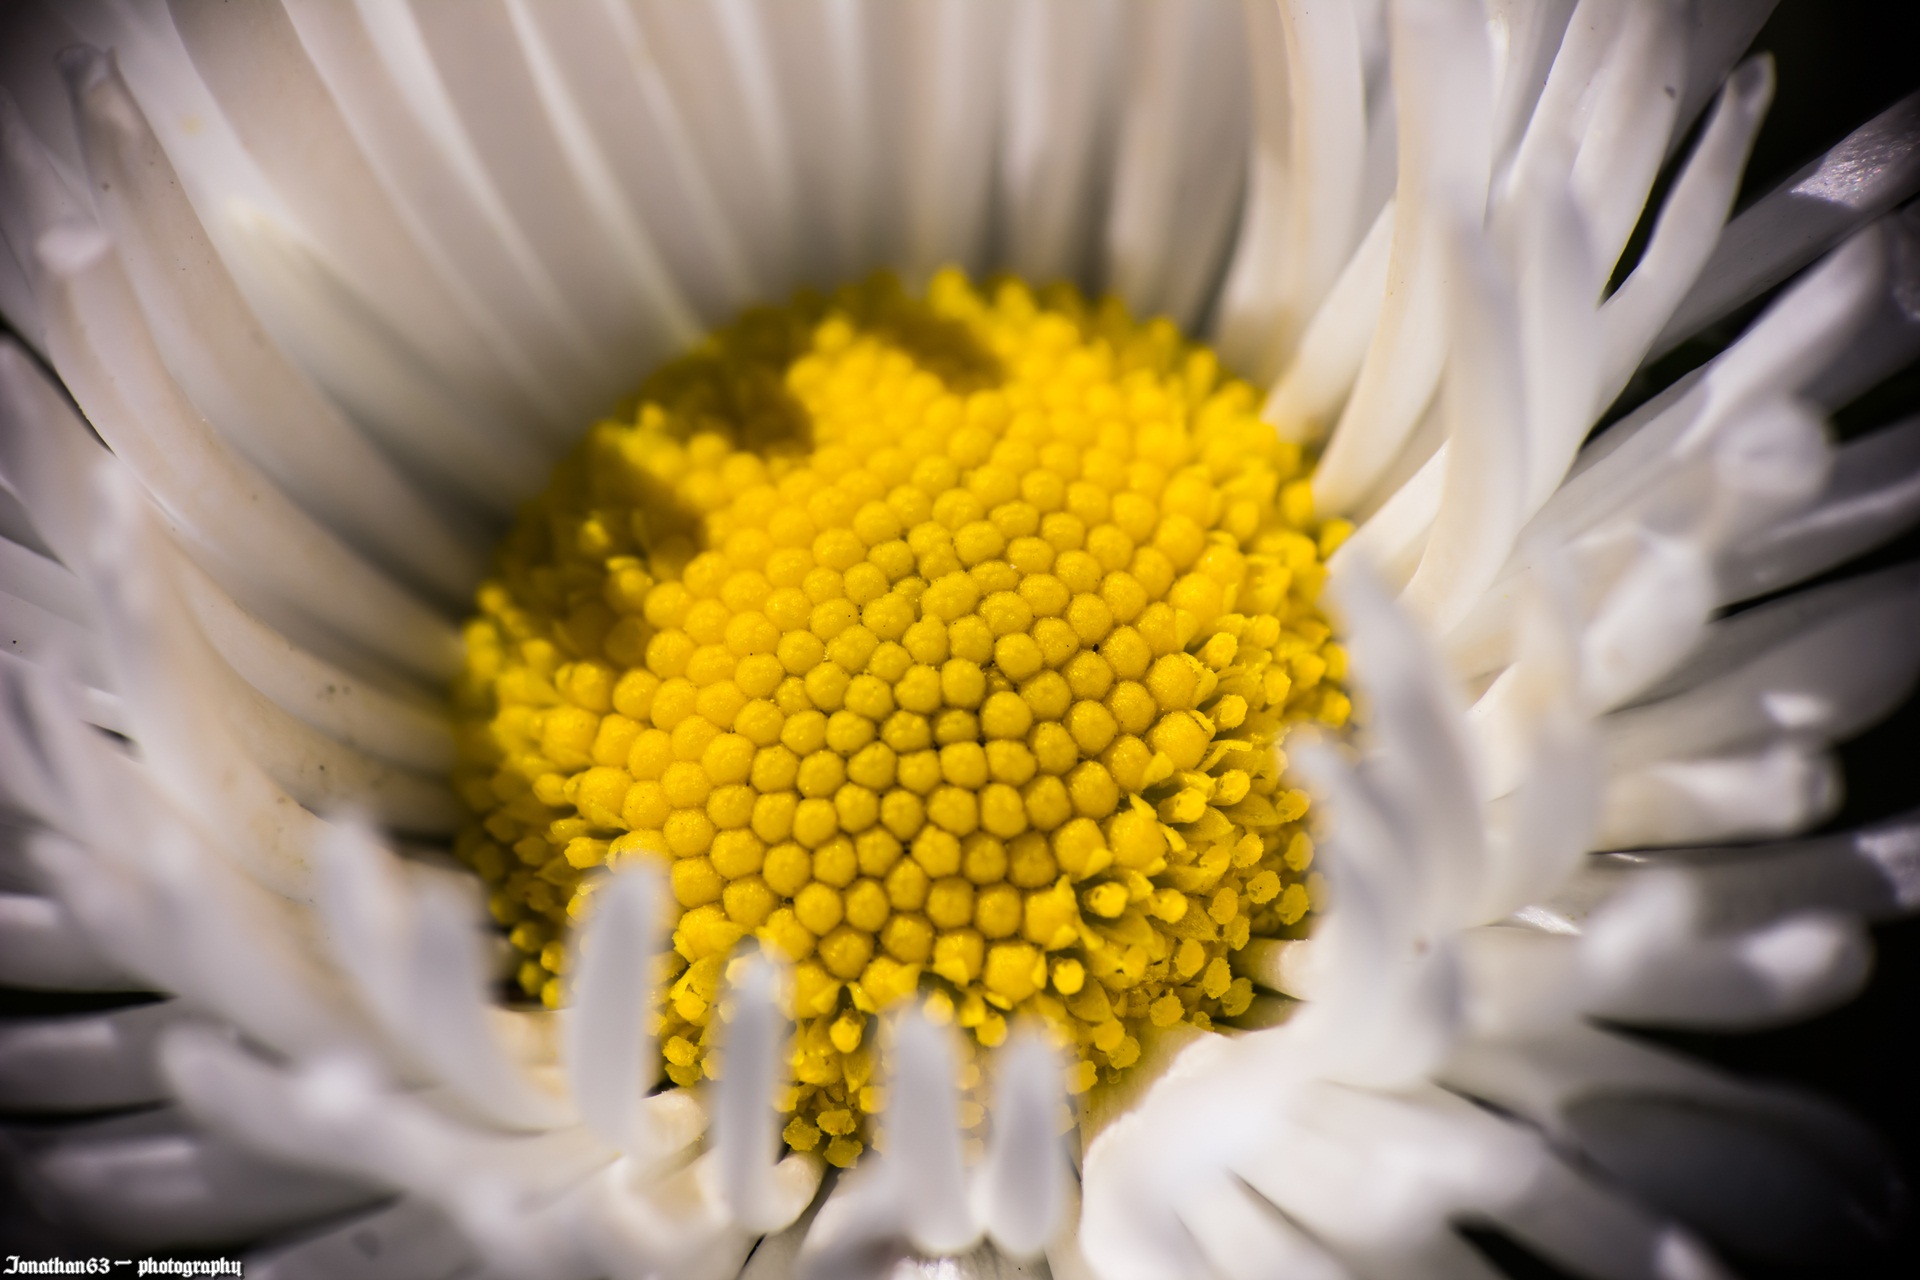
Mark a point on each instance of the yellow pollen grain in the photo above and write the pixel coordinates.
(943, 644)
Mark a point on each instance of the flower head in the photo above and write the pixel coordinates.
(955, 642)
(944, 645)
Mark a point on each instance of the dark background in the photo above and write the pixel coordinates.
(1840, 62)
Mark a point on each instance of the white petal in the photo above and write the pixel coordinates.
(1871, 170)
(1374, 1176)
(1287, 966)
(1797, 338)
(385, 720)
(1873, 873)
(1644, 959)
(36, 36)
(84, 1062)
(1557, 276)
(1533, 718)
(609, 1054)
(174, 919)
(1539, 1078)
(605, 84)
(1889, 339)
(642, 1223)
(1384, 956)
(43, 582)
(717, 63)
(1720, 32)
(318, 771)
(1418, 767)
(1181, 155)
(42, 948)
(1872, 494)
(776, 1256)
(1766, 467)
(193, 752)
(107, 355)
(1628, 112)
(857, 1234)
(1302, 216)
(1688, 226)
(268, 88)
(469, 93)
(1482, 504)
(180, 699)
(1393, 537)
(1526, 38)
(1246, 1238)
(1814, 668)
(154, 1179)
(406, 1241)
(1771, 793)
(414, 951)
(16, 296)
(16, 526)
(1443, 96)
(821, 57)
(229, 368)
(1056, 141)
(745, 1128)
(38, 635)
(1520, 981)
(41, 191)
(377, 69)
(1650, 617)
(1563, 104)
(923, 1139)
(938, 64)
(441, 432)
(1019, 1194)
(335, 1115)
(1586, 1226)
(1315, 384)
(49, 454)
(1690, 1141)
(648, 310)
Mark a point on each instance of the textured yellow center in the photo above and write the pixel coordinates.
(946, 646)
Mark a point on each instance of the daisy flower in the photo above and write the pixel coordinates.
(1103, 710)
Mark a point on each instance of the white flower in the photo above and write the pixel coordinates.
(335, 284)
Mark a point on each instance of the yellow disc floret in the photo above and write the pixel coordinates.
(944, 645)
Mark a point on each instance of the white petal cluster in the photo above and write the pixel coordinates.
(334, 284)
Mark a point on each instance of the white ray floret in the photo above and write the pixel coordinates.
(333, 285)
(1020, 1188)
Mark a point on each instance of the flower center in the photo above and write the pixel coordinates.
(946, 646)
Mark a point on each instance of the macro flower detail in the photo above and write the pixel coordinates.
(941, 770)
(974, 686)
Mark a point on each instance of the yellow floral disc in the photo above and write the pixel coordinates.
(946, 646)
